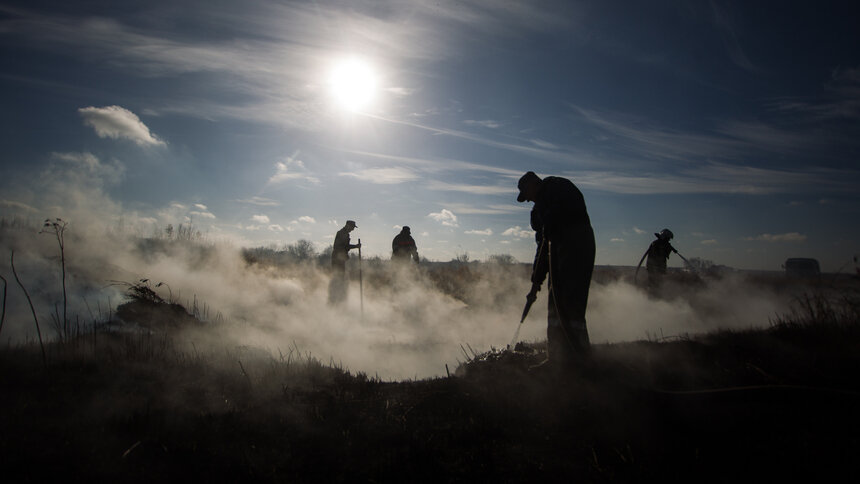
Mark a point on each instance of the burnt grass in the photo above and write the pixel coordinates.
(776, 403)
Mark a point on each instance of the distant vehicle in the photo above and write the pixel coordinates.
(802, 267)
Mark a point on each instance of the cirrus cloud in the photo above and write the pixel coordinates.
(383, 176)
(787, 237)
(117, 122)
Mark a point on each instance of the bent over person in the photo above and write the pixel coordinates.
(658, 252)
(658, 255)
(565, 251)
(339, 256)
(403, 247)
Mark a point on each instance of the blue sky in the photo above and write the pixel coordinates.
(734, 125)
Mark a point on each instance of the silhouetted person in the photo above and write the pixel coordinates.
(339, 256)
(403, 247)
(658, 255)
(565, 250)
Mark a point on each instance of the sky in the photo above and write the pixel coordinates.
(734, 124)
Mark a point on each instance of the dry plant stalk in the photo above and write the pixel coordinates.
(35, 318)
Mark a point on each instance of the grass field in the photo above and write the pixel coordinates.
(773, 403)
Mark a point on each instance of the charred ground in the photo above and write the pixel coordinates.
(731, 405)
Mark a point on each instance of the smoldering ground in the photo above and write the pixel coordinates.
(397, 323)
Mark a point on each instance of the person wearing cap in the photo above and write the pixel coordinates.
(565, 251)
(658, 255)
(403, 247)
(339, 256)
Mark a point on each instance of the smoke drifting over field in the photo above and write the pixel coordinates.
(412, 323)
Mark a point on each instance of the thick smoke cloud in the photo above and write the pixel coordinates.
(412, 323)
(395, 325)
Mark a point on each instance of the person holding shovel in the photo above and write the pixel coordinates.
(565, 251)
(339, 256)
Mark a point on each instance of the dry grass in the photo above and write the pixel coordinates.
(774, 403)
(148, 404)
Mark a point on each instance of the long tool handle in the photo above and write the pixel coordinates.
(640, 264)
(360, 281)
(686, 261)
(513, 342)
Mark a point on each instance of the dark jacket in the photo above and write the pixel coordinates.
(658, 255)
(341, 247)
(403, 247)
(559, 217)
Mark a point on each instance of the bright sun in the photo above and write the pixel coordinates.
(353, 84)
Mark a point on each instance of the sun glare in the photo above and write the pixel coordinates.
(353, 84)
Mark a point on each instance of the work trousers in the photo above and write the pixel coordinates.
(571, 265)
(337, 285)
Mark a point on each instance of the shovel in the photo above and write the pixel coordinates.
(529, 302)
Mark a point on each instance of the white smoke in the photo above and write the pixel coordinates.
(394, 324)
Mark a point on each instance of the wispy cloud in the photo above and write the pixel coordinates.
(468, 209)
(260, 219)
(400, 91)
(544, 144)
(616, 239)
(787, 237)
(486, 123)
(260, 201)
(383, 176)
(472, 189)
(437, 165)
(631, 136)
(117, 122)
(298, 223)
(637, 142)
(518, 232)
(486, 232)
(721, 178)
(17, 205)
(445, 217)
(727, 27)
(709, 242)
(272, 70)
(518, 145)
(202, 214)
(291, 169)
